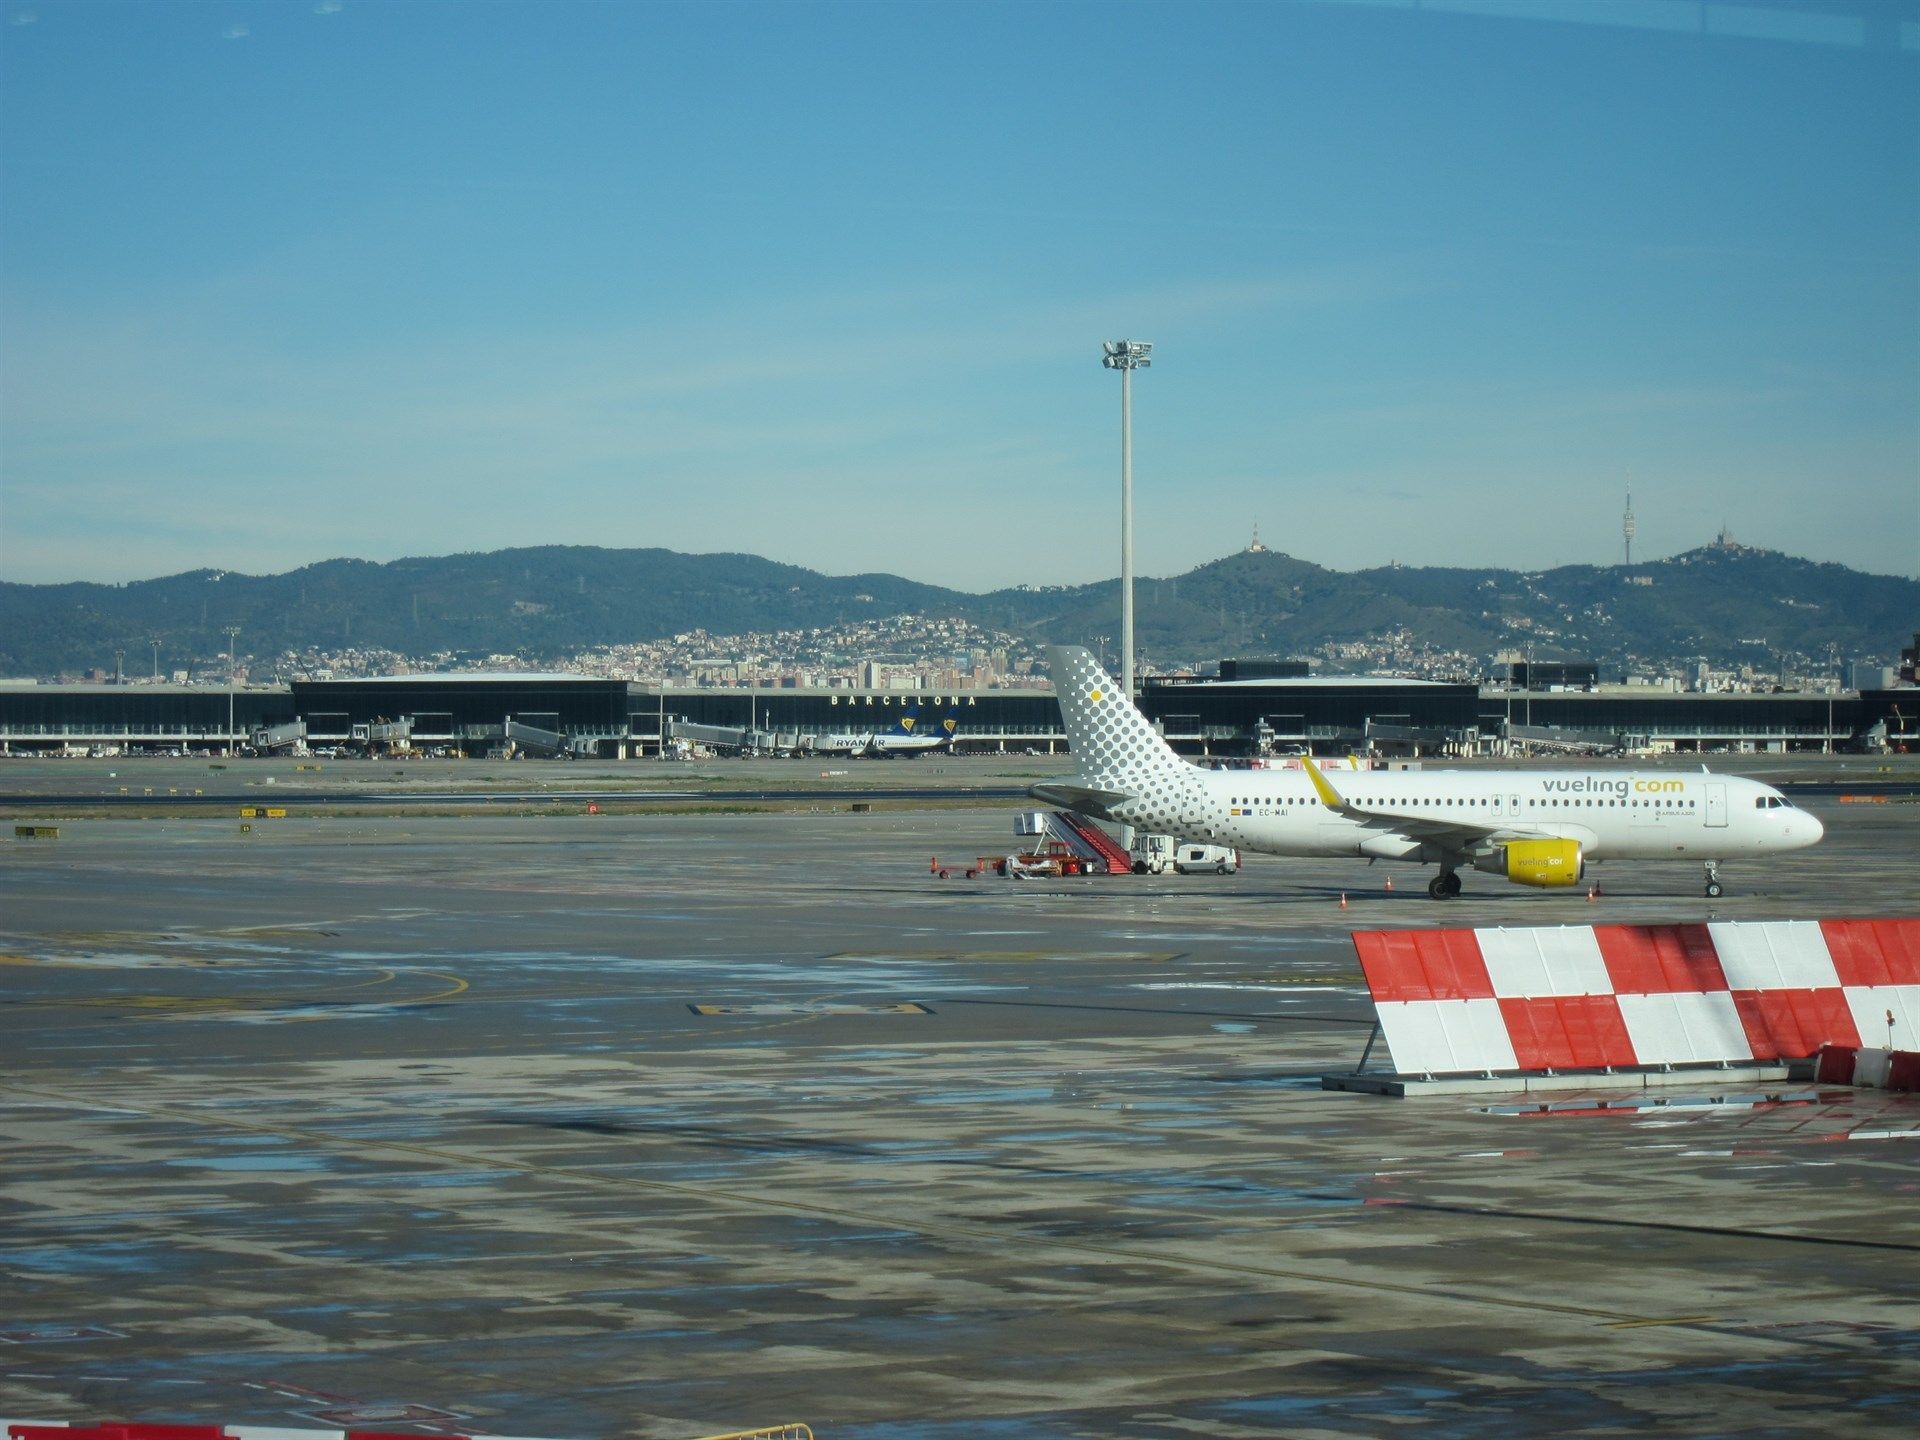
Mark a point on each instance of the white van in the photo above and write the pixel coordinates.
(1191, 859)
(1157, 854)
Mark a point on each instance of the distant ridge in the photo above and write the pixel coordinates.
(1725, 603)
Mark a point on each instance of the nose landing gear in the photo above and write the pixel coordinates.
(1713, 880)
(1444, 886)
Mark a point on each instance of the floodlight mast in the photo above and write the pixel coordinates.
(1126, 356)
(233, 637)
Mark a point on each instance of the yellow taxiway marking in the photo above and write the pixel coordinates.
(1662, 1320)
(456, 986)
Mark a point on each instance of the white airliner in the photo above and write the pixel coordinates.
(887, 744)
(1534, 827)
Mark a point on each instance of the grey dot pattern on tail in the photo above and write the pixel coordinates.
(1124, 752)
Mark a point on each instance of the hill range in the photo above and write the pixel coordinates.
(1723, 603)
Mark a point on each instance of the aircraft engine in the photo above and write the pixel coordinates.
(1548, 864)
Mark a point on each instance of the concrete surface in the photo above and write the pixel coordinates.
(660, 1125)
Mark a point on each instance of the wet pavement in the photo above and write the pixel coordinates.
(658, 1125)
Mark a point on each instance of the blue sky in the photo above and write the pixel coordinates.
(828, 282)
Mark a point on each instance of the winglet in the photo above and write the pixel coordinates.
(1329, 796)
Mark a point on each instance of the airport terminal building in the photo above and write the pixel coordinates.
(487, 713)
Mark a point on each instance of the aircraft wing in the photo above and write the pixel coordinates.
(1455, 832)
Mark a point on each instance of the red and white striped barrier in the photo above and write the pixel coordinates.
(1598, 996)
(1868, 1068)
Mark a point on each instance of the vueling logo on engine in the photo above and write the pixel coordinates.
(1588, 785)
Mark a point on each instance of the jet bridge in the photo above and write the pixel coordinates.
(534, 739)
(269, 738)
(1432, 739)
(730, 737)
(1576, 742)
(388, 735)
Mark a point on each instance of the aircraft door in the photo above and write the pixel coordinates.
(1716, 805)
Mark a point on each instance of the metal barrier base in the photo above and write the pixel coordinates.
(1715, 1077)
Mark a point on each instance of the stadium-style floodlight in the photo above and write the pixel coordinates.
(1126, 356)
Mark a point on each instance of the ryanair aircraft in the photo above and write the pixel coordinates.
(1534, 827)
(903, 739)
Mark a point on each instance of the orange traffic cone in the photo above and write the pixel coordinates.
(933, 866)
(1389, 882)
(1593, 893)
(1343, 899)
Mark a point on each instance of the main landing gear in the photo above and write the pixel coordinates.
(1713, 880)
(1444, 886)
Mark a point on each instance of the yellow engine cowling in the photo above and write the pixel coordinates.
(1548, 864)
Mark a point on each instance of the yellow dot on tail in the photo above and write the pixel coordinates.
(1097, 696)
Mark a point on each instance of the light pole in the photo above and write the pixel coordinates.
(1529, 698)
(1507, 737)
(1126, 356)
(233, 634)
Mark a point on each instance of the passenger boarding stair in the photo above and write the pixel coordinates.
(1089, 842)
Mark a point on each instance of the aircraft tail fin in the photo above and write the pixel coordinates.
(1107, 735)
(916, 725)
